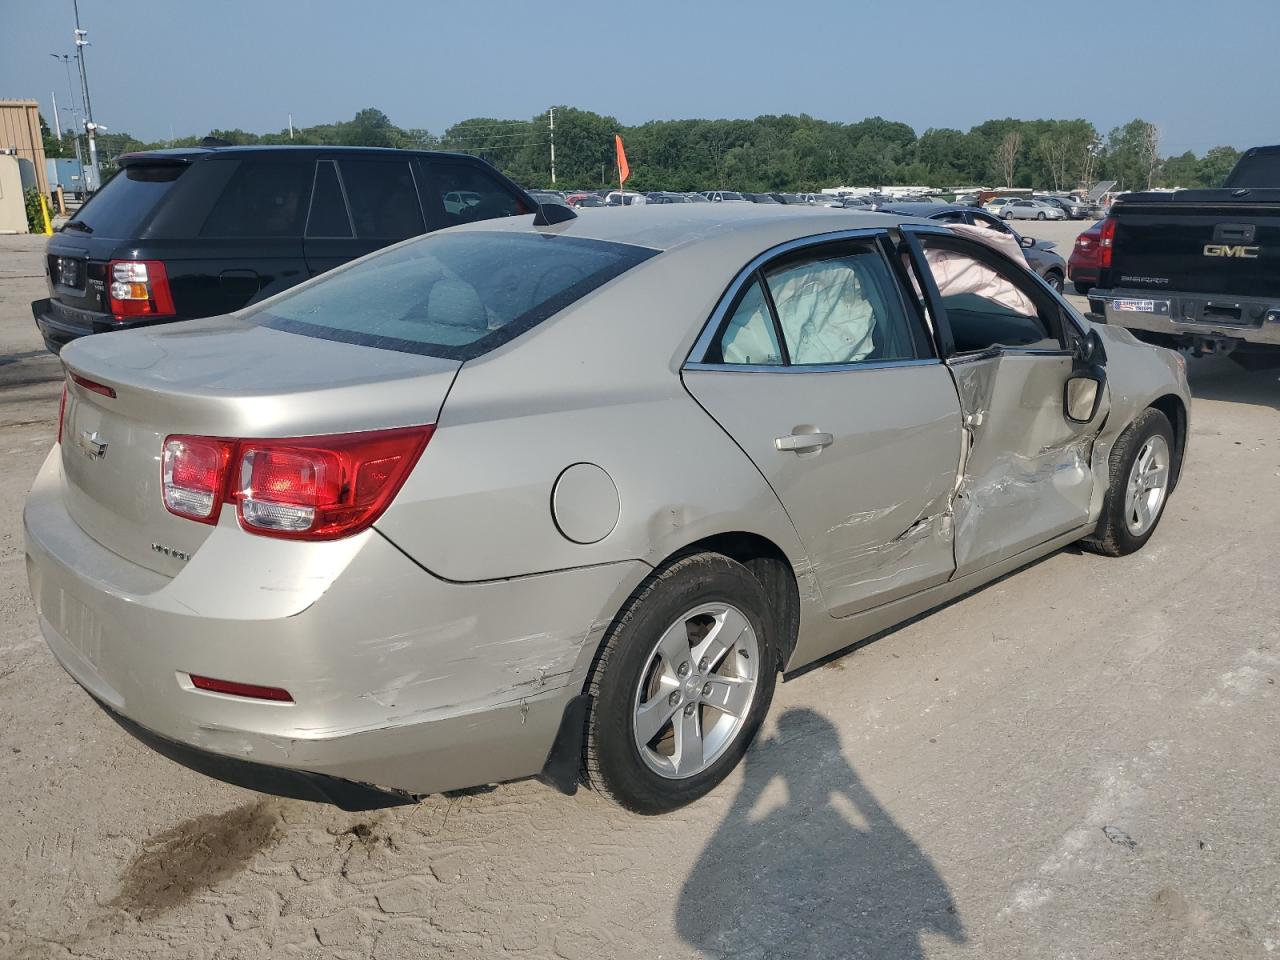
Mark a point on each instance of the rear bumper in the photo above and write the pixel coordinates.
(1190, 316)
(402, 683)
(59, 324)
(278, 781)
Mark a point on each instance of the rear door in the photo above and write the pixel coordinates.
(816, 367)
(360, 204)
(234, 234)
(1025, 477)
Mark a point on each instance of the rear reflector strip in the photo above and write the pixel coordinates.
(250, 690)
(94, 387)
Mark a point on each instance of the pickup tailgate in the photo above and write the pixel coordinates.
(1213, 242)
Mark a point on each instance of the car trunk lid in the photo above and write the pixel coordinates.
(221, 377)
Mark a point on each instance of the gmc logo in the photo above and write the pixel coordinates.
(1235, 252)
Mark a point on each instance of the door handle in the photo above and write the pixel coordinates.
(803, 442)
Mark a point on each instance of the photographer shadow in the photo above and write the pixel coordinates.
(814, 867)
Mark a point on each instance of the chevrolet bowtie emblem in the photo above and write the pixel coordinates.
(92, 445)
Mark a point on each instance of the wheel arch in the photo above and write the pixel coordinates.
(1171, 406)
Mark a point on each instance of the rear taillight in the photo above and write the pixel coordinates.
(308, 488)
(138, 288)
(1106, 241)
(194, 476)
(62, 410)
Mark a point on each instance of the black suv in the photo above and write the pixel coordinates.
(179, 234)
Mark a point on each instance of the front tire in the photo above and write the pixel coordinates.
(1141, 470)
(681, 685)
(1054, 279)
(1040, 215)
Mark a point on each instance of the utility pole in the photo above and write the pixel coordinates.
(75, 137)
(89, 126)
(57, 124)
(552, 113)
(291, 126)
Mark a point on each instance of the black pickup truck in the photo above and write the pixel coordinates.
(1199, 269)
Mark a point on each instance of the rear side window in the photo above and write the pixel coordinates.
(840, 308)
(453, 295)
(468, 193)
(128, 198)
(329, 217)
(263, 198)
(383, 198)
(750, 336)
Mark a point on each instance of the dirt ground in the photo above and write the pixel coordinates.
(1079, 761)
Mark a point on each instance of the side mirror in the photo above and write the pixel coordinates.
(1081, 398)
(1090, 351)
(1027, 242)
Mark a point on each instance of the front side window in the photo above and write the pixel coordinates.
(987, 302)
(453, 295)
(840, 308)
(383, 199)
(263, 198)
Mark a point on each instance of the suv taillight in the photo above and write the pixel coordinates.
(138, 288)
(1106, 241)
(305, 488)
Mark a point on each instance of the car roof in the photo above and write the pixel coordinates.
(667, 227)
(917, 209)
(190, 154)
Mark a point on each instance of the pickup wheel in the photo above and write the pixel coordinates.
(1141, 470)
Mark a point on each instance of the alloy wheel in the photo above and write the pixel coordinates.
(696, 690)
(1148, 485)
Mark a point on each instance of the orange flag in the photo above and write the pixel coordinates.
(624, 171)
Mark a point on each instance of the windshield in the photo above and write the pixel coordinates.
(453, 295)
(124, 201)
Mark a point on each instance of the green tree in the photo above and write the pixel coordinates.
(53, 146)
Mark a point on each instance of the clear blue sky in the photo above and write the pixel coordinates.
(1203, 71)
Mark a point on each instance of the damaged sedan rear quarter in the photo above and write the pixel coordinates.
(660, 458)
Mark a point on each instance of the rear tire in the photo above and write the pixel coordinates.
(647, 684)
(1125, 524)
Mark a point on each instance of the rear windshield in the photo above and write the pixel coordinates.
(452, 295)
(1259, 170)
(128, 198)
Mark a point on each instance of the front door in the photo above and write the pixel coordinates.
(826, 378)
(1026, 476)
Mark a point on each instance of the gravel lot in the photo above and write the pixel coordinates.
(1079, 761)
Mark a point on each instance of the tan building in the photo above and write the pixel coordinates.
(13, 206)
(20, 131)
